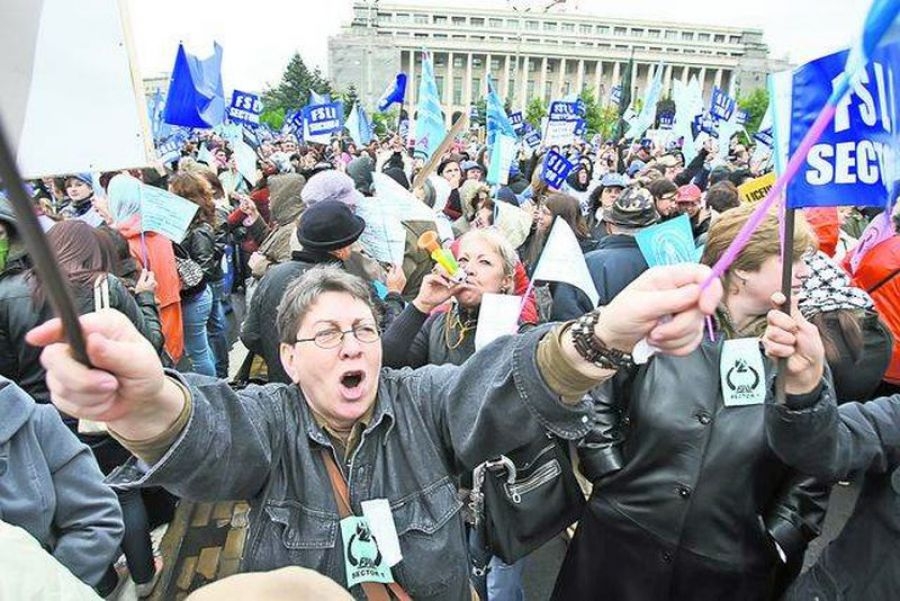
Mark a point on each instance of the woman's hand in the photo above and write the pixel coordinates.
(146, 282)
(436, 289)
(396, 279)
(793, 338)
(126, 388)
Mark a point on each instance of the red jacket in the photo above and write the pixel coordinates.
(879, 275)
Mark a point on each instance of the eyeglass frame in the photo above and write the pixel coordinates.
(343, 333)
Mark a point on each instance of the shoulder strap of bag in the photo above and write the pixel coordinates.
(375, 591)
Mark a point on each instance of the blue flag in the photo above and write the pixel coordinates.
(615, 95)
(721, 104)
(555, 169)
(245, 108)
(855, 162)
(196, 97)
(316, 98)
(359, 126)
(430, 130)
(394, 93)
(742, 117)
(497, 119)
(533, 139)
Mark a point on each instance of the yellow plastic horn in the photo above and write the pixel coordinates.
(429, 242)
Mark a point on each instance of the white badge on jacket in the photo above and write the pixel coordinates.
(742, 373)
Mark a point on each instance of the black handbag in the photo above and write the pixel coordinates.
(523, 499)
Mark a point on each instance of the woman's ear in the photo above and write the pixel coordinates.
(286, 354)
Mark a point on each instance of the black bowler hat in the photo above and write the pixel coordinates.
(329, 225)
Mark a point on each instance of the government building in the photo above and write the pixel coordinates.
(529, 54)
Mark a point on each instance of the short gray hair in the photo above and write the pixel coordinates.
(499, 244)
(303, 292)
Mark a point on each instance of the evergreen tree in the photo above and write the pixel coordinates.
(296, 82)
(535, 111)
(755, 104)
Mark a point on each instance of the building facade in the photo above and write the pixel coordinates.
(536, 54)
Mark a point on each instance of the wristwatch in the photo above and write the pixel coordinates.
(592, 349)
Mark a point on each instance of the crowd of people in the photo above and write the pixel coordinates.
(689, 493)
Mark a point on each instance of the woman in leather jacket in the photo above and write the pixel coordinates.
(688, 501)
(202, 312)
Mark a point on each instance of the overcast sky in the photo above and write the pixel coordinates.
(260, 36)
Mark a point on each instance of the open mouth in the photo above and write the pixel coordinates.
(352, 379)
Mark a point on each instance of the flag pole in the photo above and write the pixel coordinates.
(787, 276)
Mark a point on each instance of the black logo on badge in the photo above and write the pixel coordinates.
(742, 379)
(368, 555)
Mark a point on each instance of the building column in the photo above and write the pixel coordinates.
(598, 80)
(543, 81)
(616, 74)
(467, 85)
(667, 81)
(560, 78)
(703, 82)
(487, 71)
(718, 78)
(579, 78)
(448, 87)
(523, 75)
(412, 79)
(505, 85)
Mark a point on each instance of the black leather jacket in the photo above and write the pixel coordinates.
(694, 474)
(201, 245)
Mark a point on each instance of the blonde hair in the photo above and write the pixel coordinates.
(499, 244)
(764, 242)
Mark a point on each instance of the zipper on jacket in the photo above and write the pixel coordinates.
(541, 476)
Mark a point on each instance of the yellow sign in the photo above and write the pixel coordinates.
(756, 189)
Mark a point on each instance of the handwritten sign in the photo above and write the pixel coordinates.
(165, 213)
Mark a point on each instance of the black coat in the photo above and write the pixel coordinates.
(692, 498)
(863, 562)
(201, 245)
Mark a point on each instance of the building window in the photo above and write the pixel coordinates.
(686, 50)
(531, 89)
(476, 37)
(687, 36)
(702, 37)
(495, 64)
(439, 36)
(512, 23)
(652, 33)
(549, 26)
(457, 90)
(476, 61)
(401, 18)
(420, 35)
(457, 61)
(567, 42)
(568, 27)
(476, 88)
(585, 29)
(420, 19)
(495, 23)
(671, 35)
(548, 91)
(602, 30)
(655, 49)
(601, 45)
(619, 31)
(440, 60)
(496, 38)
(458, 20)
(638, 33)
(440, 19)
(384, 17)
(735, 39)
(439, 81)
(532, 25)
(571, 67)
(402, 34)
(532, 41)
(532, 66)
(459, 36)
(719, 39)
(476, 22)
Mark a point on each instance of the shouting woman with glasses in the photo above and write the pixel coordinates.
(350, 468)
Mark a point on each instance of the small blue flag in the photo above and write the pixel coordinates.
(359, 126)
(196, 97)
(615, 95)
(430, 129)
(245, 108)
(497, 120)
(316, 98)
(721, 104)
(394, 93)
(533, 139)
(555, 169)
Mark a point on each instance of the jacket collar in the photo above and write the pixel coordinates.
(313, 256)
(17, 409)
(384, 411)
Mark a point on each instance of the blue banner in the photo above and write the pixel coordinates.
(722, 106)
(742, 117)
(615, 94)
(518, 121)
(855, 160)
(580, 108)
(555, 169)
(196, 97)
(580, 128)
(245, 108)
(562, 111)
(666, 121)
(323, 119)
(169, 150)
(430, 130)
(533, 139)
(498, 121)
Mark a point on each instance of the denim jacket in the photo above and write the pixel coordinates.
(428, 426)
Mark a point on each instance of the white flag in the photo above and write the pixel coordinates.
(498, 316)
(563, 261)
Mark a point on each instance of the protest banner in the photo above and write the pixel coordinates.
(562, 261)
(756, 189)
(245, 158)
(429, 117)
(161, 211)
(559, 133)
(518, 121)
(323, 119)
(722, 106)
(498, 316)
(532, 139)
(433, 162)
(41, 53)
(384, 236)
(245, 108)
(645, 118)
(555, 169)
(398, 201)
(854, 162)
(668, 243)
